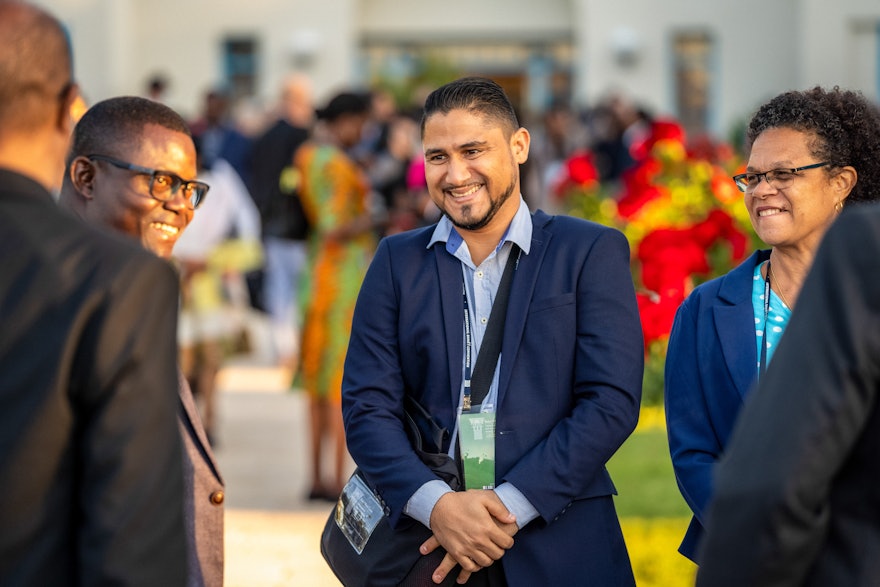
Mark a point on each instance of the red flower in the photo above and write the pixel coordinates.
(706, 148)
(668, 258)
(579, 172)
(581, 169)
(657, 314)
(660, 130)
(639, 187)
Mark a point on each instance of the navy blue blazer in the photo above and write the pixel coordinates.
(711, 364)
(569, 386)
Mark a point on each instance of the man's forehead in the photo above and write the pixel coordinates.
(157, 138)
(461, 126)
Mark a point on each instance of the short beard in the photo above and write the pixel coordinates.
(490, 213)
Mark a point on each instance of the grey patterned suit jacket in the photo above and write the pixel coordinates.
(203, 499)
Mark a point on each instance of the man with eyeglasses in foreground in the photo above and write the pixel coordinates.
(131, 169)
(90, 461)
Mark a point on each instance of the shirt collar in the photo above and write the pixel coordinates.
(519, 231)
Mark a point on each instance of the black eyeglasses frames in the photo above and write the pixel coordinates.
(163, 184)
(777, 178)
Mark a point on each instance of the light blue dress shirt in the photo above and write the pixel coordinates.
(481, 285)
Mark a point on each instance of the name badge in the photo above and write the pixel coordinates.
(477, 444)
(358, 513)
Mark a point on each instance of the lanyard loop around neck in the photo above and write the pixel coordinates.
(762, 362)
(476, 385)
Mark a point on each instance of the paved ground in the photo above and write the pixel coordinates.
(272, 532)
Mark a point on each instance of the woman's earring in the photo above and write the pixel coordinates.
(838, 206)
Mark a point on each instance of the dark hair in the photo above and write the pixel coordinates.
(846, 125)
(342, 104)
(35, 64)
(477, 95)
(111, 123)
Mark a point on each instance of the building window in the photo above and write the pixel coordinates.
(240, 66)
(693, 52)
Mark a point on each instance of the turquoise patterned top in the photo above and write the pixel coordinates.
(777, 317)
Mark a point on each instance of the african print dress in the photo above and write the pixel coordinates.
(334, 192)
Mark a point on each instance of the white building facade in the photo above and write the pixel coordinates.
(706, 62)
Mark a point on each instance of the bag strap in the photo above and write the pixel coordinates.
(487, 358)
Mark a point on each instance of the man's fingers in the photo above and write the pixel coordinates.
(446, 565)
(499, 512)
(429, 545)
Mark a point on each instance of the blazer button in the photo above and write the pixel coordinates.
(217, 497)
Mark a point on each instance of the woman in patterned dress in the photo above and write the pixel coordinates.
(334, 193)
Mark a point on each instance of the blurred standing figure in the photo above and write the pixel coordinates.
(335, 196)
(90, 458)
(618, 125)
(218, 136)
(797, 500)
(274, 187)
(556, 139)
(388, 177)
(157, 88)
(812, 153)
(125, 174)
(218, 247)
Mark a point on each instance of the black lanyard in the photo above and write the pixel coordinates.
(484, 367)
(468, 349)
(762, 363)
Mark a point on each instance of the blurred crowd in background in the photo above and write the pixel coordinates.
(245, 258)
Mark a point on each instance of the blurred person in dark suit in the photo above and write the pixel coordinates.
(90, 458)
(219, 137)
(273, 185)
(130, 171)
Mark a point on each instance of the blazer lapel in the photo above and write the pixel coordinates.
(524, 281)
(449, 272)
(735, 325)
(195, 422)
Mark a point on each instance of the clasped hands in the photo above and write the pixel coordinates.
(474, 527)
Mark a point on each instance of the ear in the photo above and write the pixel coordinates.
(68, 108)
(519, 144)
(844, 181)
(82, 176)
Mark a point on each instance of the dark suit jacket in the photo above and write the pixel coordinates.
(797, 499)
(711, 363)
(569, 386)
(203, 497)
(90, 454)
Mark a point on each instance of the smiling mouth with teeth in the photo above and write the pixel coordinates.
(770, 212)
(469, 191)
(166, 228)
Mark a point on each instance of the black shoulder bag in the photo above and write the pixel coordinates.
(388, 557)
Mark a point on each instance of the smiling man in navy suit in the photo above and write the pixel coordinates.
(566, 388)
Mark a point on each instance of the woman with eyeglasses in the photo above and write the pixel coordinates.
(811, 153)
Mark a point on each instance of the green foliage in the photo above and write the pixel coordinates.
(652, 383)
(428, 72)
(642, 472)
